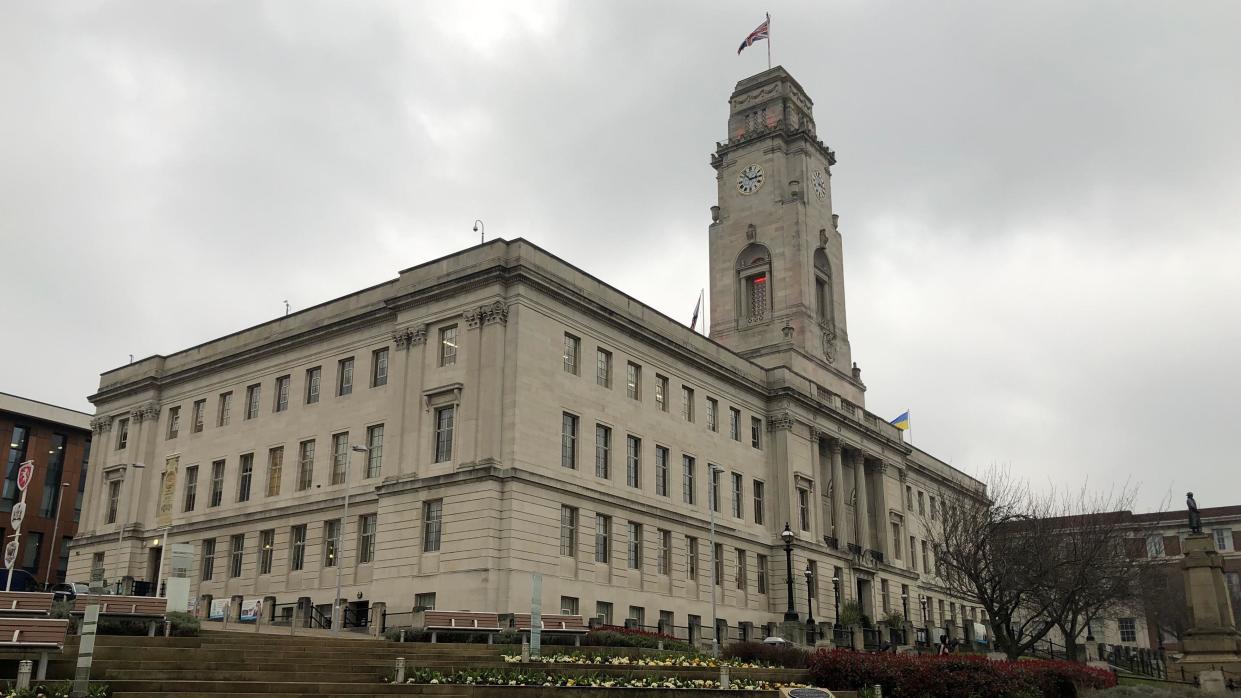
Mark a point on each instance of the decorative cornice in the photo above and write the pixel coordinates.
(487, 315)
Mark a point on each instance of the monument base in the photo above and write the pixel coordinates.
(793, 631)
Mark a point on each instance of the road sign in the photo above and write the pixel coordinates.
(10, 554)
(18, 515)
(24, 473)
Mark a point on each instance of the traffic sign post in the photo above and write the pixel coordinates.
(25, 472)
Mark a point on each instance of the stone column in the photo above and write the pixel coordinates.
(883, 535)
(862, 508)
(838, 493)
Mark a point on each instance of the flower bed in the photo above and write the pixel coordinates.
(625, 660)
(492, 677)
(913, 676)
(59, 689)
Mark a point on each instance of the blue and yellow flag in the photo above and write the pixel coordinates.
(901, 422)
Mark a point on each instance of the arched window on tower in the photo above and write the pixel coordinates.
(823, 288)
(754, 284)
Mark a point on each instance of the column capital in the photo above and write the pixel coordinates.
(100, 425)
(835, 446)
(409, 336)
(779, 422)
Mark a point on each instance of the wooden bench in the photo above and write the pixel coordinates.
(553, 625)
(149, 608)
(457, 621)
(24, 603)
(42, 634)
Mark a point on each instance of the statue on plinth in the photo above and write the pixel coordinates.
(1195, 519)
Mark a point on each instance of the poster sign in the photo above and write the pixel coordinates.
(251, 609)
(219, 608)
(18, 515)
(24, 473)
(181, 559)
(980, 633)
(10, 554)
(167, 492)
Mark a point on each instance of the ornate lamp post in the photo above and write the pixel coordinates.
(787, 536)
(836, 594)
(809, 605)
(338, 611)
(925, 630)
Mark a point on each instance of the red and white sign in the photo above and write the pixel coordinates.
(24, 473)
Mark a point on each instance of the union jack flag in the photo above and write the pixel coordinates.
(760, 33)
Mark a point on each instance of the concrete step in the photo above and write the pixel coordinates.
(232, 688)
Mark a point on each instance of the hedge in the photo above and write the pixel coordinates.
(782, 655)
(953, 676)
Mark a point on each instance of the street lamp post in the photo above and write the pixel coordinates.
(836, 598)
(715, 581)
(787, 536)
(905, 606)
(51, 560)
(338, 618)
(925, 630)
(809, 605)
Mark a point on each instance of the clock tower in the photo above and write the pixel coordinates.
(777, 277)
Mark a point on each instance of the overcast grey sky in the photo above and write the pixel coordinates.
(1040, 202)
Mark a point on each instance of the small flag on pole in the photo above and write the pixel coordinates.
(901, 422)
(761, 33)
(693, 323)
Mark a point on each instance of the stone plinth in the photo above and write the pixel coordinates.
(1212, 642)
(794, 631)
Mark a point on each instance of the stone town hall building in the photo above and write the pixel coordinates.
(524, 417)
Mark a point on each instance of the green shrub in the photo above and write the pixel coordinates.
(630, 638)
(782, 655)
(184, 624)
(851, 613)
(58, 689)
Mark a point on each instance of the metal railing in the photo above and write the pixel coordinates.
(842, 637)
(318, 619)
(282, 614)
(355, 619)
(870, 638)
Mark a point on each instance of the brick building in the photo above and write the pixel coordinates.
(58, 441)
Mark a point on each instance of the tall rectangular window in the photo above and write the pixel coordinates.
(77, 501)
(603, 538)
(340, 457)
(921, 505)
(236, 553)
(224, 409)
(344, 377)
(174, 422)
(208, 559)
(661, 392)
(913, 554)
(245, 473)
(297, 548)
(896, 541)
(444, 421)
(687, 403)
(448, 345)
(661, 471)
(909, 497)
(635, 546)
(691, 557)
(664, 565)
(55, 476)
(734, 423)
(267, 545)
(743, 574)
(282, 394)
(114, 500)
(758, 501)
(803, 508)
(572, 352)
(569, 605)
(687, 479)
(122, 434)
(603, 611)
(603, 452)
(713, 486)
(367, 524)
(1128, 629)
(379, 367)
(713, 411)
(932, 507)
(738, 503)
(638, 615)
(305, 464)
(374, 450)
(198, 415)
(568, 531)
(331, 542)
(633, 381)
(217, 483)
(603, 368)
(191, 488)
(926, 558)
(633, 461)
(432, 522)
(314, 377)
(568, 441)
(19, 443)
(761, 565)
(1223, 539)
(719, 564)
(253, 393)
(275, 463)
(756, 432)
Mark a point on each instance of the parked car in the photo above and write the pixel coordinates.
(69, 592)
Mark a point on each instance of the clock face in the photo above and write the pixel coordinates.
(820, 184)
(750, 179)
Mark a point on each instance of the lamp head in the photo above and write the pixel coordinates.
(808, 572)
(787, 534)
(359, 449)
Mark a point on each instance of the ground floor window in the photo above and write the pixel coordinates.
(1128, 630)
(425, 601)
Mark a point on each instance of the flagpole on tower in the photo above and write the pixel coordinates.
(768, 41)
